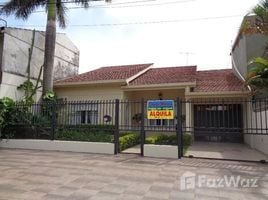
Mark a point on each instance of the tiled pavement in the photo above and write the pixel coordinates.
(34, 175)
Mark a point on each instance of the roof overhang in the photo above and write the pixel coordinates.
(85, 83)
(217, 94)
(159, 86)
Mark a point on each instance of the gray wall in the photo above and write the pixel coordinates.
(15, 53)
(248, 44)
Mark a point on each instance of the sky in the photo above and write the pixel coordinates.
(164, 32)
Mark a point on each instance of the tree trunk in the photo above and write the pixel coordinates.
(50, 41)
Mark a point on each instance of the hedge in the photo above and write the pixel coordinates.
(89, 136)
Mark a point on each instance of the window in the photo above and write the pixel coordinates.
(161, 122)
(85, 114)
(88, 117)
(92, 117)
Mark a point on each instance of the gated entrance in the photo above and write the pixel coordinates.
(135, 118)
(230, 129)
(220, 128)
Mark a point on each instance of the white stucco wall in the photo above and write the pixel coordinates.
(259, 142)
(15, 45)
(15, 53)
(83, 147)
(255, 124)
(9, 85)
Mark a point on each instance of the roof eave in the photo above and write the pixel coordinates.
(83, 83)
(160, 86)
(218, 93)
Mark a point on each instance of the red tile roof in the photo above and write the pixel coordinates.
(166, 75)
(106, 73)
(218, 81)
(206, 81)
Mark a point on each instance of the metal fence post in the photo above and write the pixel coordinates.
(53, 120)
(116, 133)
(142, 127)
(179, 129)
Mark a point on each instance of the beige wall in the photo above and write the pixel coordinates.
(154, 94)
(84, 93)
(134, 108)
(91, 93)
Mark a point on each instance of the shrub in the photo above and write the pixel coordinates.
(187, 139)
(163, 139)
(74, 135)
(97, 129)
(128, 140)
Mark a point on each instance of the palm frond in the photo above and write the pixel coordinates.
(85, 3)
(257, 76)
(21, 9)
(61, 13)
(261, 10)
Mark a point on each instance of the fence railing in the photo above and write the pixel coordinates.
(202, 117)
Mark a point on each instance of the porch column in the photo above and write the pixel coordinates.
(188, 115)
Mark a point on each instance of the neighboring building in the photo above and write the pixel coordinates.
(249, 44)
(14, 48)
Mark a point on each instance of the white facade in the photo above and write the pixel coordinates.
(14, 47)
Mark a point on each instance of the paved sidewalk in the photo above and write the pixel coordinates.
(225, 150)
(46, 175)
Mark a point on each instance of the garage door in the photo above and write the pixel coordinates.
(218, 122)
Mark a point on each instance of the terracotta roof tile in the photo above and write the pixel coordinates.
(166, 75)
(218, 81)
(107, 73)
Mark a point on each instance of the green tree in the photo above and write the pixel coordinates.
(261, 10)
(56, 11)
(257, 77)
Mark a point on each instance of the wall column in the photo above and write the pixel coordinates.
(188, 115)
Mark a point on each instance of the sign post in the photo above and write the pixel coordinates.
(160, 109)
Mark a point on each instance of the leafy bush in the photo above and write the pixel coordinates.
(128, 140)
(97, 129)
(187, 139)
(74, 135)
(6, 107)
(163, 139)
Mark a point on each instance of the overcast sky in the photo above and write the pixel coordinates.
(165, 32)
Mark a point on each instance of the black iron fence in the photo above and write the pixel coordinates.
(225, 120)
(105, 121)
(60, 120)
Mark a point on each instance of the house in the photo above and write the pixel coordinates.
(14, 54)
(134, 82)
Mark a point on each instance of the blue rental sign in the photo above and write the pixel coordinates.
(160, 109)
